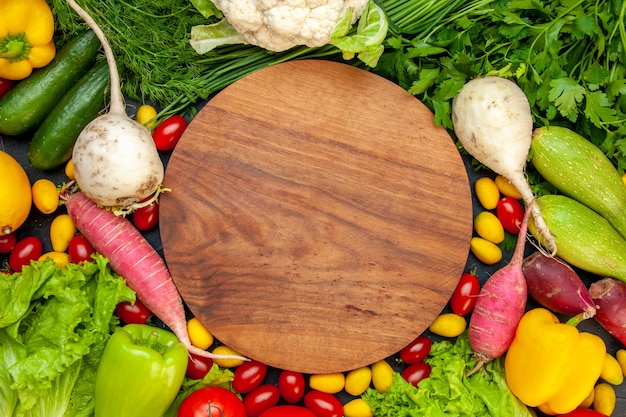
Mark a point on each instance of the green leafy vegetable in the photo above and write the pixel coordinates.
(447, 391)
(567, 56)
(52, 336)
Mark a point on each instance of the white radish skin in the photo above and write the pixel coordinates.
(115, 160)
(500, 306)
(493, 121)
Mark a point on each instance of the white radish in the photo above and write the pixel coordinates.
(493, 121)
(116, 162)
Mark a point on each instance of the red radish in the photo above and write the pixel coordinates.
(500, 305)
(132, 256)
(609, 294)
(556, 286)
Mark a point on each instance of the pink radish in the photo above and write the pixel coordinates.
(500, 305)
(556, 286)
(131, 256)
(609, 294)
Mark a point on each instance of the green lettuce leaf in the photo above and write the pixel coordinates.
(448, 391)
(50, 344)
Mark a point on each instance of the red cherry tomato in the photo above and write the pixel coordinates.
(80, 249)
(212, 402)
(413, 374)
(583, 412)
(416, 351)
(465, 295)
(260, 399)
(136, 313)
(5, 86)
(168, 132)
(323, 404)
(248, 376)
(198, 366)
(7, 242)
(510, 213)
(145, 218)
(291, 385)
(28, 249)
(287, 411)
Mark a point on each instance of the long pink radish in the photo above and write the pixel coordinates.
(500, 305)
(132, 257)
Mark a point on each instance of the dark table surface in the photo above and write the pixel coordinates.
(38, 225)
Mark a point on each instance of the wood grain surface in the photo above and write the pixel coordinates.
(318, 219)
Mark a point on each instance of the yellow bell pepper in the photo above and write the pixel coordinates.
(552, 365)
(26, 29)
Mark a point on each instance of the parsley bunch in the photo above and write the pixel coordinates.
(567, 56)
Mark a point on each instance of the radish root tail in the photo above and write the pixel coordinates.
(481, 361)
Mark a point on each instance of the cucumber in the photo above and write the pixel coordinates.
(26, 105)
(579, 169)
(584, 238)
(54, 140)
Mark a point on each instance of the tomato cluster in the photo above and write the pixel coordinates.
(503, 212)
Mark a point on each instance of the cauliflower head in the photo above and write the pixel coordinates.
(278, 25)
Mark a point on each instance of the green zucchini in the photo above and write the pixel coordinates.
(584, 238)
(54, 140)
(26, 105)
(579, 169)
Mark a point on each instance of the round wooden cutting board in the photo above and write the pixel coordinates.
(318, 220)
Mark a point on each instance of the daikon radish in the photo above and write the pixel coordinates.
(493, 121)
(116, 162)
(500, 306)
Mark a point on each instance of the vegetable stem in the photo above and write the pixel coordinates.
(117, 98)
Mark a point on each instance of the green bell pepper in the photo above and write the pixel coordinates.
(140, 373)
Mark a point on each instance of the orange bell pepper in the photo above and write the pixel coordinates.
(552, 365)
(26, 30)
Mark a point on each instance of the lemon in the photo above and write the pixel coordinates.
(15, 194)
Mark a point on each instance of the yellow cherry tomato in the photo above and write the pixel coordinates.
(604, 398)
(226, 363)
(69, 170)
(612, 370)
(358, 380)
(488, 226)
(146, 115)
(487, 252)
(62, 230)
(382, 375)
(506, 188)
(624, 179)
(620, 355)
(487, 192)
(199, 336)
(357, 408)
(331, 383)
(448, 325)
(45, 195)
(61, 258)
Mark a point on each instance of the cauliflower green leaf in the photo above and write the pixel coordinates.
(367, 42)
